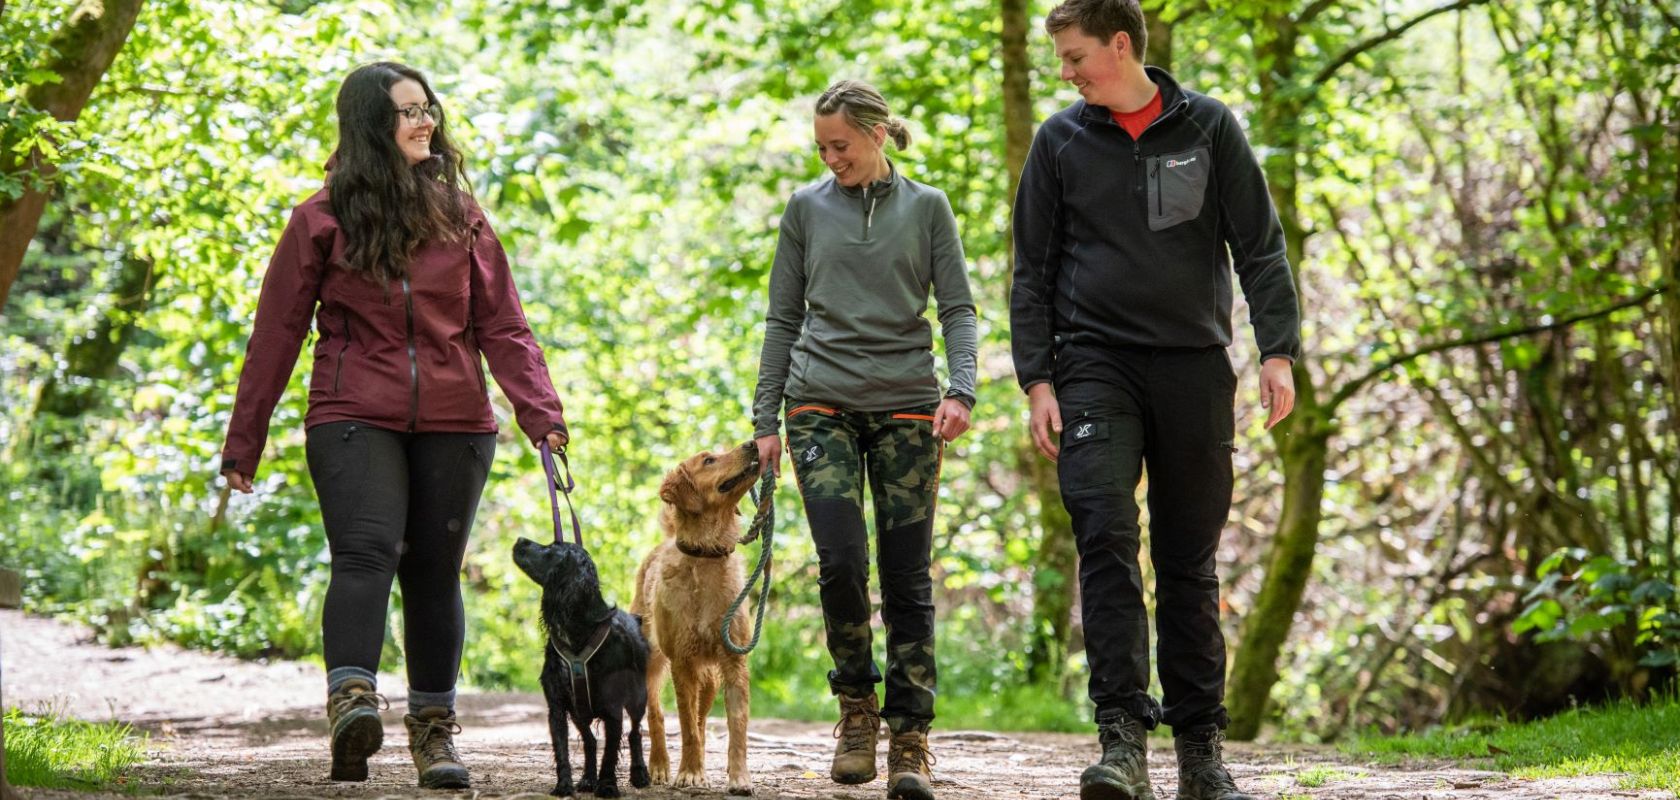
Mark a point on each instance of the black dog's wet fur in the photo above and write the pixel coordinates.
(572, 608)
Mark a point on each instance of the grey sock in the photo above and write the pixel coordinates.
(418, 700)
(338, 675)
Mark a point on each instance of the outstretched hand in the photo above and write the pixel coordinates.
(1277, 389)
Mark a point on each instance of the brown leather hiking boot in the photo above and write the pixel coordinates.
(908, 762)
(354, 727)
(858, 731)
(1201, 767)
(431, 741)
(1123, 771)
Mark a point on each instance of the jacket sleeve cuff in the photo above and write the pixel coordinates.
(1026, 386)
(1270, 356)
(962, 397)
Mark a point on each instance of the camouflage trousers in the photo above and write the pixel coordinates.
(835, 452)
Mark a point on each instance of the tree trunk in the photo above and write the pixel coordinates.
(1160, 43)
(92, 359)
(1057, 563)
(1303, 439)
(1303, 443)
(85, 47)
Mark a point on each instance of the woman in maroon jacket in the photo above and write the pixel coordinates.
(407, 286)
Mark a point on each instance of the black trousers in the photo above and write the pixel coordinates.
(1167, 411)
(397, 505)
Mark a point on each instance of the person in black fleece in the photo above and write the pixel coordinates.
(1136, 205)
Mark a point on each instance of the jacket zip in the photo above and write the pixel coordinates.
(338, 377)
(868, 213)
(413, 360)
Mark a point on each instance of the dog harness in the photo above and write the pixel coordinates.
(577, 669)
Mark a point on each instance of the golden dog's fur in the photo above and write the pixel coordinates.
(682, 598)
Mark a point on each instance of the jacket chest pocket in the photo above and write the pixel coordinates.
(1177, 186)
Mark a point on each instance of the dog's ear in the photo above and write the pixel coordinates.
(679, 490)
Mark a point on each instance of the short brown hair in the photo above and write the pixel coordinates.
(1102, 19)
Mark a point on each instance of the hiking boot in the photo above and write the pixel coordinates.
(1201, 769)
(858, 731)
(431, 732)
(1123, 771)
(354, 726)
(908, 759)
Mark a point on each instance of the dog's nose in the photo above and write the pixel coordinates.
(751, 446)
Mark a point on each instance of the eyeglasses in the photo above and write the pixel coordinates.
(414, 114)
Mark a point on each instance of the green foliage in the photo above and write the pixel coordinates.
(1582, 597)
(50, 752)
(1639, 742)
(634, 158)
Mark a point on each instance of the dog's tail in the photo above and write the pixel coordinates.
(639, 605)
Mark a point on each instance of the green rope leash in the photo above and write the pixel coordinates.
(764, 522)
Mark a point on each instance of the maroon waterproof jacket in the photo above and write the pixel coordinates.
(404, 355)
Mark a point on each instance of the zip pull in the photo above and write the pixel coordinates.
(867, 211)
(869, 219)
(1137, 164)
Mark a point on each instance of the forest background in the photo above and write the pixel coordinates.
(1471, 511)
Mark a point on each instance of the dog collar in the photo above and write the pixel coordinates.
(704, 552)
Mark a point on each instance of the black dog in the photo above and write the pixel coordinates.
(595, 669)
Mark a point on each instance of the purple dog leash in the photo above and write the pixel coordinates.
(565, 488)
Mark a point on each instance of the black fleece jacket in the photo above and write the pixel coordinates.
(1131, 242)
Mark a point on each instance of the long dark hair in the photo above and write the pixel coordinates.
(385, 206)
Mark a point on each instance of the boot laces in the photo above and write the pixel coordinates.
(343, 703)
(435, 741)
(912, 752)
(858, 723)
(1119, 732)
(1208, 766)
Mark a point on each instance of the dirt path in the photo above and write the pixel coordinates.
(222, 728)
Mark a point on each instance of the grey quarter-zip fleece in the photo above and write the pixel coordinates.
(848, 290)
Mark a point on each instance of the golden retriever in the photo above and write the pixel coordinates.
(683, 589)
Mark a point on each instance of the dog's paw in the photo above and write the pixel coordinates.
(742, 789)
(660, 774)
(607, 790)
(562, 789)
(690, 780)
(639, 777)
(587, 785)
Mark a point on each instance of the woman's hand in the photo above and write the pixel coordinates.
(769, 453)
(238, 481)
(556, 441)
(951, 420)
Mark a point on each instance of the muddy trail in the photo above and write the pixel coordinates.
(223, 728)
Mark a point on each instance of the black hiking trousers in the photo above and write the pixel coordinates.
(397, 505)
(1170, 412)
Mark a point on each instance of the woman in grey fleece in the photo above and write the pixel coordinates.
(849, 351)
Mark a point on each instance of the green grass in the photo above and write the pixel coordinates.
(1314, 777)
(1641, 743)
(50, 752)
